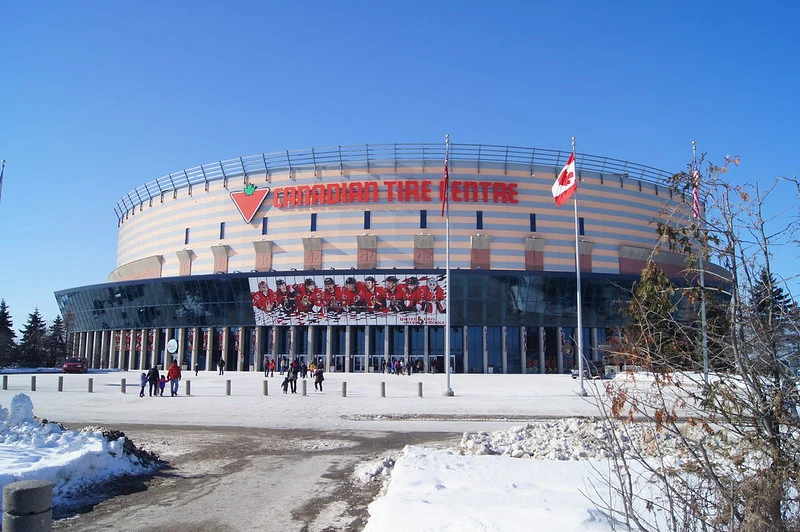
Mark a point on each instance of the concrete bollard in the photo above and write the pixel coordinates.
(227, 387)
(60, 383)
(188, 387)
(383, 389)
(266, 387)
(33, 383)
(5, 382)
(122, 386)
(344, 389)
(28, 506)
(91, 384)
(303, 388)
(419, 389)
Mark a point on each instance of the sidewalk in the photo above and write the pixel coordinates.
(481, 402)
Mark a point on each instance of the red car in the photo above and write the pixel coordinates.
(75, 365)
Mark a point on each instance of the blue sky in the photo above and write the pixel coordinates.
(97, 98)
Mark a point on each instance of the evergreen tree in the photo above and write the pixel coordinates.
(56, 343)
(7, 345)
(32, 349)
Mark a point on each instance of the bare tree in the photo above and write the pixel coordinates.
(724, 448)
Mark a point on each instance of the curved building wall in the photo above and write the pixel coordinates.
(194, 247)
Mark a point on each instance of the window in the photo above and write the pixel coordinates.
(533, 223)
(221, 230)
(366, 220)
(478, 219)
(423, 219)
(264, 225)
(313, 221)
(186, 237)
(580, 226)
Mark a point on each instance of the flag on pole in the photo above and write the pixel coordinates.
(445, 180)
(2, 171)
(695, 190)
(566, 184)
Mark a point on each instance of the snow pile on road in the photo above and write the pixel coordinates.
(73, 461)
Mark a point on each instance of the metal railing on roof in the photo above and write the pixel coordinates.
(380, 155)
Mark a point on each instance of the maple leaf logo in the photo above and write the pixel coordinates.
(249, 200)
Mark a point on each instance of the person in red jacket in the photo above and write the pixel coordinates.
(174, 377)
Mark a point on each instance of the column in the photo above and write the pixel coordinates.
(465, 343)
(426, 349)
(406, 342)
(523, 355)
(273, 345)
(504, 348)
(240, 363)
(97, 337)
(154, 353)
(258, 356)
(386, 357)
(181, 337)
(541, 350)
(559, 347)
(196, 343)
(143, 350)
(210, 362)
(101, 359)
(485, 349)
(81, 344)
(329, 349)
(348, 333)
(367, 351)
(225, 342)
(312, 356)
(292, 343)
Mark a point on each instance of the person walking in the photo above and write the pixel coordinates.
(221, 365)
(265, 363)
(143, 380)
(318, 378)
(174, 376)
(152, 380)
(291, 374)
(271, 368)
(162, 383)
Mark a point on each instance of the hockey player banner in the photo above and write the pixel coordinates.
(347, 300)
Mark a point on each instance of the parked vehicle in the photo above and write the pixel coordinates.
(75, 365)
(592, 369)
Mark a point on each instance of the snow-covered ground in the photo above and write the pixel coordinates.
(512, 470)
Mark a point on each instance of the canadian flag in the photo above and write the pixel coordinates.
(566, 184)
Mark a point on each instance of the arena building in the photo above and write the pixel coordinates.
(338, 256)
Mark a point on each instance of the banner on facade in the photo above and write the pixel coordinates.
(345, 299)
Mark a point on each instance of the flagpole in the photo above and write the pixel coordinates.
(448, 392)
(696, 213)
(2, 171)
(578, 281)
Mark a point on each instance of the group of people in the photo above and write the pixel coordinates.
(295, 370)
(158, 381)
(354, 296)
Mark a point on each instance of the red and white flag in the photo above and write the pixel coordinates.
(445, 182)
(566, 184)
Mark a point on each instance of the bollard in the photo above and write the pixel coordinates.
(5, 382)
(303, 389)
(383, 389)
(122, 386)
(419, 389)
(188, 387)
(228, 387)
(266, 387)
(60, 383)
(33, 383)
(344, 389)
(28, 506)
(91, 385)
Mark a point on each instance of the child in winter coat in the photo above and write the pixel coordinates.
(162, 383)
(285, 385)
(144, 383)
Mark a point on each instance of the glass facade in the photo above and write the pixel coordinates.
(501, 322)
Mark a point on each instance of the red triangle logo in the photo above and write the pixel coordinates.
(249, 200)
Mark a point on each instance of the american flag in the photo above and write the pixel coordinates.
(695, 190)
